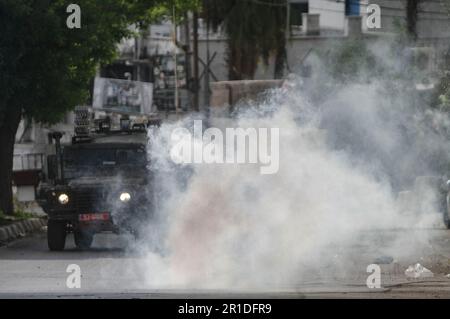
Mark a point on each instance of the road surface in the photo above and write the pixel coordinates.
(29, 270)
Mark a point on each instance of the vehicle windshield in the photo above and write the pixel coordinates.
(91, 161)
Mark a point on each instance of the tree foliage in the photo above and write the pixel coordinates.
(255, 29)
(45, 67)
(165, 9)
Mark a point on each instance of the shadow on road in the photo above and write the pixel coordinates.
(35, 248)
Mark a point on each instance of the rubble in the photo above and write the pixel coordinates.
(417, 271)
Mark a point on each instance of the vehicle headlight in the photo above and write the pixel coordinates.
(63, 199)
(125, 197)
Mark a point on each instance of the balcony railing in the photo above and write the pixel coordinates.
(26, 162)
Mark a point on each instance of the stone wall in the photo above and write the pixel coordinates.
(225, 94)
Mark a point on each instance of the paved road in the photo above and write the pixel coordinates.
(28, 269)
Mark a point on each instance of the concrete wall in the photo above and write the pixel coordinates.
(297, 49)
(25, 193)
(226, 94)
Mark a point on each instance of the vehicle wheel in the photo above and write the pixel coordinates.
(446, 214)
(447, 220)
(83, 239)
(56, 235)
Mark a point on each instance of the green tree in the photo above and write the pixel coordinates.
(165, 9)
(254, 28)
(45, 67)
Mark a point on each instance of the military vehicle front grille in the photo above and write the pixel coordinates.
(87, 201)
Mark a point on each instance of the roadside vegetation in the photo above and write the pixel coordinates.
(17, 216)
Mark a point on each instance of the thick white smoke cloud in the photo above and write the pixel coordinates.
(342, 163)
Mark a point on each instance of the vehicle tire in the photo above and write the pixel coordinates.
(56, 235)
(83, 239)
(446, 214)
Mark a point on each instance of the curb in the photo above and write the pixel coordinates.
(21, 228)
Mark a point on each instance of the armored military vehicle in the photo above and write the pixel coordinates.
(99, 182)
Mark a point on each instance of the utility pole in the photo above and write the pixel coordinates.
(207, 69)
(281, 62)
(288, 19)
(187, 48)
(176, 61)
(195, 60)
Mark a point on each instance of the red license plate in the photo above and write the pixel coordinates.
(93, 217)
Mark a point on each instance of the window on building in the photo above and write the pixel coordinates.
(117, 71)
(352, 7)
(297, 9)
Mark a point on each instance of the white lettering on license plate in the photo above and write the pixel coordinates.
(93, 217)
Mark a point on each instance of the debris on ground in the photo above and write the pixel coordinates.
(418, 271)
